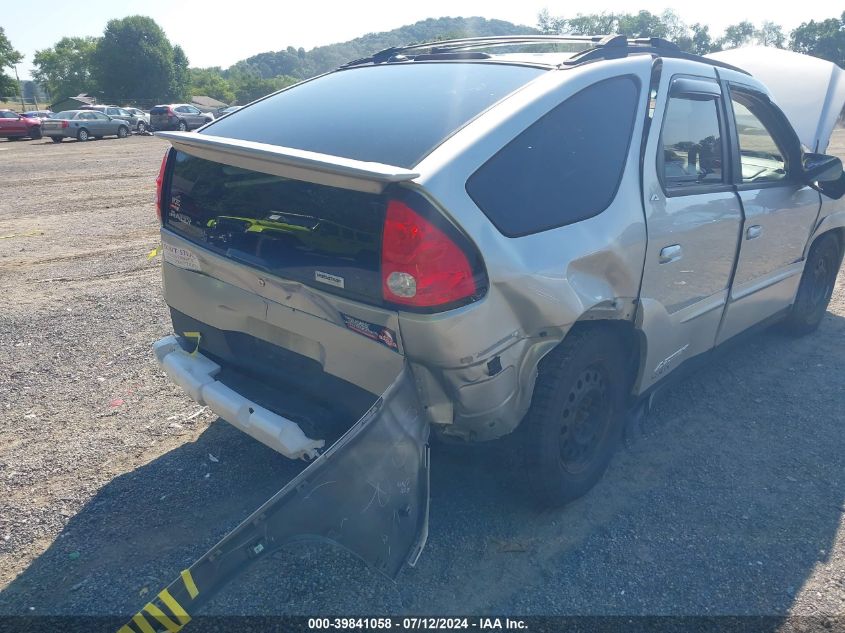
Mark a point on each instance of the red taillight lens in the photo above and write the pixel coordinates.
(170, 111)
(64, 124)
(421, 265)
(159, 182)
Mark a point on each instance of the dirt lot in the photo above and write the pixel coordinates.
(732, 502)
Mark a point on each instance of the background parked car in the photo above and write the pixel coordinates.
(178, 116)
(14, 126)
(142, 116)
(38, 114)
(225, 111)
(82, 125)
(139, 124)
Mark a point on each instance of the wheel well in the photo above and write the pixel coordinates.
(631, 340)
(839, 234)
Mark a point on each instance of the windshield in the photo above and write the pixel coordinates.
(393, 114)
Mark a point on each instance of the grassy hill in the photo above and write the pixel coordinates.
(302, 64)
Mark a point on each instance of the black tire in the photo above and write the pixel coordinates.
(82, 135)
(122, 131)
(816, 287)
(141, 127)
(14, 138)
(35, 133)
(183, 127)
(576, 418)
(57, 139)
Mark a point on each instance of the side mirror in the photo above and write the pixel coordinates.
(821, 168)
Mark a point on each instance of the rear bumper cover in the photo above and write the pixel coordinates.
(196, 375)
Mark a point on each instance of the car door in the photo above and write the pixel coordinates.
(13, 125)
(129, 117)
(184, 115)
(196, 118)
(5, 124)
(115, 113)
(98, 123)
(780, 210)
(693, 219)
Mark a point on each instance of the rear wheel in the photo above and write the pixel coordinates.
(142, 127)
(122, 131)
(576, 417)
(82, 135)
(816, 287)
(183, 127)
(57, 139)
(14, 138)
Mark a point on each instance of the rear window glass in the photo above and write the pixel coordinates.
(566, 167)
(393, 114)
(325, 237)
(66, 114)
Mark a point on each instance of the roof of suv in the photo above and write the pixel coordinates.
(579, 49)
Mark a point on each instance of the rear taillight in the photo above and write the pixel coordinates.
(421, 265)
(159, 184)
(64, 124)
(170, 111)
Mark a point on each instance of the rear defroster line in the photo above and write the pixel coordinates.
(368, 493)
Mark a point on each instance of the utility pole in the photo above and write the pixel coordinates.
(20, 89)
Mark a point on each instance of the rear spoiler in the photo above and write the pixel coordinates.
(297, 164)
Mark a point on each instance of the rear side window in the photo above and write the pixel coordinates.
(692, 143)
(566, 167)
(393, 114)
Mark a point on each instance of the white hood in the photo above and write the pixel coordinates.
(809, 90)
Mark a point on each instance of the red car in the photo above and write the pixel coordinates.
(14, 126)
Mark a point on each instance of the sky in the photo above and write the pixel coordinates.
(221, 34)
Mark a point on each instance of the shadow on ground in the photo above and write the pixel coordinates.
(725, 506)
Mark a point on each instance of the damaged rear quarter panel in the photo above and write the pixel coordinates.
(540, 284)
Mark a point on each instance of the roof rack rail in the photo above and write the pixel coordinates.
(598, 47)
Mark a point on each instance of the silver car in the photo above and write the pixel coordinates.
(83, 125)
(445, 237)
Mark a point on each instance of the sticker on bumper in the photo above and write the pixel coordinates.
(383, 335)
(180, 257)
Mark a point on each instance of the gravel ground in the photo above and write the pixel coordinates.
(731, 503)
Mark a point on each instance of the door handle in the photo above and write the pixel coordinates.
(670, 254)
(753, 231)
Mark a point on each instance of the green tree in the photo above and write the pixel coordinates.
(737, 34)
(825, 39)
(8, 58)
(697, 40)
(66, 69)
(592, 24)
(181, 88)
(770, 34)
(134, 61)
(211, 82)
(642, 24)
(249, 87)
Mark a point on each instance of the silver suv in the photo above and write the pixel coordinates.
(447, 237)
